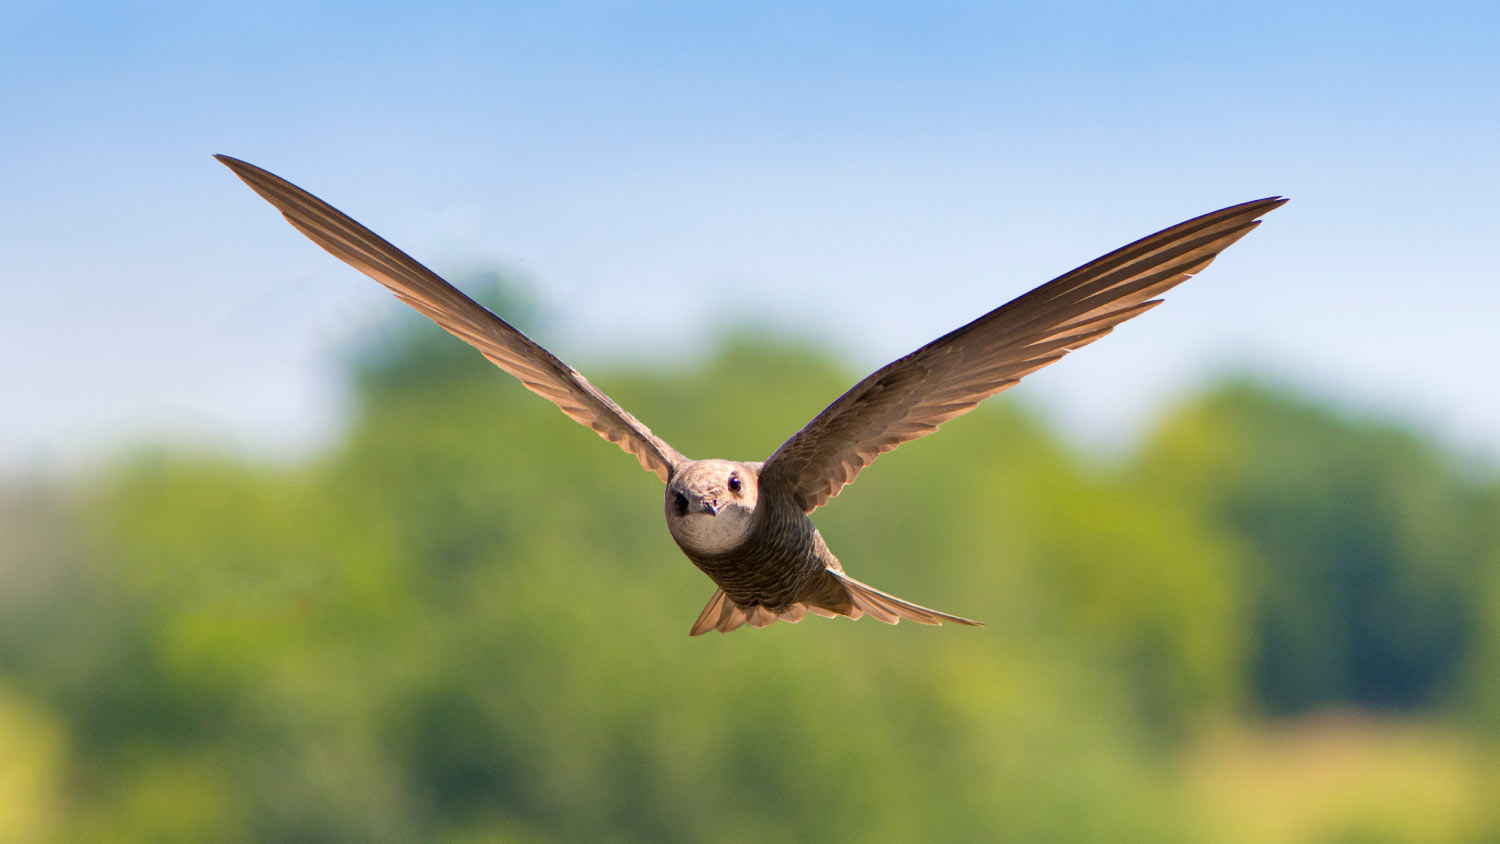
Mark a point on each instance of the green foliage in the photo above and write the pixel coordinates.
(1364, 545)
(468, 623)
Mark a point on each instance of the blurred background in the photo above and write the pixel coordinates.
(282, 562)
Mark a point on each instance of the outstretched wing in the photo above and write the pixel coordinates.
(909, 398)
(539, 370)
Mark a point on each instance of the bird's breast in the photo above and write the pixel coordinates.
(770, 565)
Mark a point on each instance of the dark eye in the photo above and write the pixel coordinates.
(734, 484)
(680, 502)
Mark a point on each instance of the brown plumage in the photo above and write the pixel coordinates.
(746, 525)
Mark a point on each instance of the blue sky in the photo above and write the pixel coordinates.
(660, 172)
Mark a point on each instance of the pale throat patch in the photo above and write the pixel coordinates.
(712, 534)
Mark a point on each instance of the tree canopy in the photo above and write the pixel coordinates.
(467, 622)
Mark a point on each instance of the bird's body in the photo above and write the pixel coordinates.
(746, 525)
(762, 550)
(771, 555)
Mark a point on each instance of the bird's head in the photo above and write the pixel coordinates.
(710, 504)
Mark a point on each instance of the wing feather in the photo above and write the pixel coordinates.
(538, 369)
(910, 397)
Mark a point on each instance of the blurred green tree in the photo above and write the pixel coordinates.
(1364, 543)
(467, 621)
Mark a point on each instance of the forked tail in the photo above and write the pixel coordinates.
(723, 614)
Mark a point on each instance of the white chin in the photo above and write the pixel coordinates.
(714, 534)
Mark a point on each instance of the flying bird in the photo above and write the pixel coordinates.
(746, 525)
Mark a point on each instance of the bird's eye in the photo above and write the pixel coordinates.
(734, 484)
(680, 502)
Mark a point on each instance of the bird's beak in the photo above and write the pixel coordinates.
(711, 508)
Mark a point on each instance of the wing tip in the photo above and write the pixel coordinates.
(1265, 205)
(239, 166)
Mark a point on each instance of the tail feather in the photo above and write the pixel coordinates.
(759, 617)
(890, 609)
(873, 607)
(716, 615)
(723, 614)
